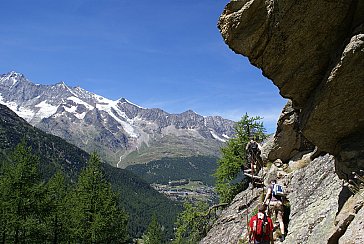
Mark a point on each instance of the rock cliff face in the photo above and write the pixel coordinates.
(288, 141)
(231, 226)
(312, 51)
(314, 194)
(321, 209)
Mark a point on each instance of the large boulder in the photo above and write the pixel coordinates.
(313, 51)
(288, 140)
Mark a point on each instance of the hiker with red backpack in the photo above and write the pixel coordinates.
(261, 227)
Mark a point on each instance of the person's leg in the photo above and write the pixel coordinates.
(273, 207)
(280, 220)
(259, 163)
(251, 160)
(277, 206)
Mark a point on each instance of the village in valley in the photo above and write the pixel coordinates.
(186, 190)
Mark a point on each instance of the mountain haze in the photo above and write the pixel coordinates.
(122, 132)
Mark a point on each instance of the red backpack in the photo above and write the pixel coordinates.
(260, 227)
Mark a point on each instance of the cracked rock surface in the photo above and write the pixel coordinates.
(312, 51)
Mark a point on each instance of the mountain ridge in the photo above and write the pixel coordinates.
(119, 130)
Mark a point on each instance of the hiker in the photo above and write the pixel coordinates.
(274, 200)
(253, 153)
(261, 227)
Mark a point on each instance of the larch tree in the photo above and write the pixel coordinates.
(95, 214)
(57, 228)
(192, 223)
(22, 198)
(154, 233)
(233, 157)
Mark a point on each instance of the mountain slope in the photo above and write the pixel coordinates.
(122, 132)
(136, 196)
(198, 168)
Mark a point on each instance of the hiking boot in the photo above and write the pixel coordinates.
(281, 239)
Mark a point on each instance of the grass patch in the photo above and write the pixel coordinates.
(299, 164)
(269, 165)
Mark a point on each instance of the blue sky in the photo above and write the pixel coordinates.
(165, 54)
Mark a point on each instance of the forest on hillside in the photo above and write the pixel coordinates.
(197, 168)
(55, 155)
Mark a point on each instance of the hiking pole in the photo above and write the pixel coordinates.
(247, 217)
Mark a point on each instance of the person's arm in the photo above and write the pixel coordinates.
(259, 147)
(250, 231)
(267, 196)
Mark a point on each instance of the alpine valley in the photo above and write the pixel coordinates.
(121, 132)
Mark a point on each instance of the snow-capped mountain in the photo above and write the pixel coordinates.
(122, 132)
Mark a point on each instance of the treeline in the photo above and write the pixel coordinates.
(135, 196)
(53, 211)
(141, 201)
(199, 168)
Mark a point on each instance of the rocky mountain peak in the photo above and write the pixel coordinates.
(11, 78)
(189, 112)
(123, 100)
(117, 128)
(13, 74)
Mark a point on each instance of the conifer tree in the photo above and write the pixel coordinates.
(154, 233)
(233, 157)
(95, 214)
(192, 223)
(22, 198)
(57, 230)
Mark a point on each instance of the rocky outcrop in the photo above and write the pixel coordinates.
(314, 198)
(350, 222)
(231, 226)
(319, 210)
(288, 140)
(312, 51)
(354, 232)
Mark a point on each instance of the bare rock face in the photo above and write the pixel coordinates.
(350, 222)
(314, 199)
(314, 52)
(232, 224)
(354, 232)
(288, 140)
(317, 212)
